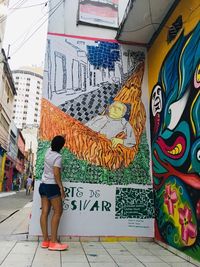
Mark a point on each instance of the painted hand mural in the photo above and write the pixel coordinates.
(175, 132)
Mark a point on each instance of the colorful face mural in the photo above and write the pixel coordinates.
(175, 132)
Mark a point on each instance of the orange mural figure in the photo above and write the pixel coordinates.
(113, 152)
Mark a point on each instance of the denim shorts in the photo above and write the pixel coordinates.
(49, 190)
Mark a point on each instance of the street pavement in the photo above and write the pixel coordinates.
(11, 202)
(18, 249)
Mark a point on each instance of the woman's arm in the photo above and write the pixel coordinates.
(57, 175)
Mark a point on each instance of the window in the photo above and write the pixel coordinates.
(27, 84)
(12, 137)
(4, 123)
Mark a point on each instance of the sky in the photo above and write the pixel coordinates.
(22, 22)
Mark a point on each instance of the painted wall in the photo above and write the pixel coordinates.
(88, 76)
(175, 130)
(2, 168)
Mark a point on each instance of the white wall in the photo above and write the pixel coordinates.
(31, 140)
(64, 20)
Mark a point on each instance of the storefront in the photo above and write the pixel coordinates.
(2, 167)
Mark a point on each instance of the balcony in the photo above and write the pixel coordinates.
(143, 19)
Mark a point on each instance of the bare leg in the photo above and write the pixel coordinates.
(57, 209)
(44, 216)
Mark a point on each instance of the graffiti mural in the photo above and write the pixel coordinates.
(93, 95)
(175, 132)
(94, 90)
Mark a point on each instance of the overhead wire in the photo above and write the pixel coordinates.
(40, 4)
(54, 10)
(20, 2)
(27, 31)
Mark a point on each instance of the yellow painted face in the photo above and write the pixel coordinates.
(117, 110)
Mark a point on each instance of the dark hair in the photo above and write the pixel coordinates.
(57, 143)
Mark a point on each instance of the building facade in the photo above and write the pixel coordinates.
(28, 82)
(7, 93)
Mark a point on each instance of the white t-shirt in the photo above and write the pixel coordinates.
(52, 159)
(29, 181)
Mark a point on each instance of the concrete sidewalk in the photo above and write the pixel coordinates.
(6, 194)
(20, 250)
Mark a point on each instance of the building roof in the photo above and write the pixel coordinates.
(37, 70)
(34, 70)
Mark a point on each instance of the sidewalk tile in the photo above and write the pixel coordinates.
(99, 264)
(5, 248)
(131, 264)
(100, 251)
(140, 252)
(163, 252)
(113, 245)
(157, 264)
(113, 251)
(125, 259)
(66, 258)
(182, 264)
(172, 259)
(99, 258)
(78, 264)
(148, 259)
(92, 245)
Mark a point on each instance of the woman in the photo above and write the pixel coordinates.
(52, 193)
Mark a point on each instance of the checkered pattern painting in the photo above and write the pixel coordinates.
(86, 106)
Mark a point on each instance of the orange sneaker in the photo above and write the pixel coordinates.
(45, 244)
(57, 246)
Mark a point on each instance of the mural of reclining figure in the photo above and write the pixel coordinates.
(114, 126)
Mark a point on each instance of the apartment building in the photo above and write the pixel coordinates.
(28, 82)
